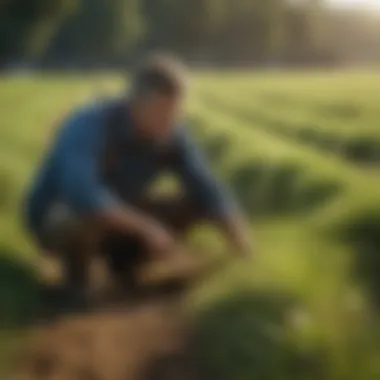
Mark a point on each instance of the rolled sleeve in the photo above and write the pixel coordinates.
(209, 192)
(79, 167)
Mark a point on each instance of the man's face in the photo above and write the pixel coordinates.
(158, 114)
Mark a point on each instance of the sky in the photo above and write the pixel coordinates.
(366, 3)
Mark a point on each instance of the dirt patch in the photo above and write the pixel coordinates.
(107, 345)
(141, 340)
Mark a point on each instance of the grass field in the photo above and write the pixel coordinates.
(301, 151)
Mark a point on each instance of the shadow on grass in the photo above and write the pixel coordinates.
(247, 337)
(363, 150)
(263, 189)
(20, 296)
(19, 304)
(363, 233)
(24, 299)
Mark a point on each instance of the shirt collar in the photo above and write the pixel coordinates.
(126, 130)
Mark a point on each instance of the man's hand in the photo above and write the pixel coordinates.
(159, 239)
(131, 221)
(238, 235)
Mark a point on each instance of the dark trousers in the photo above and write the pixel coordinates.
(124, 253)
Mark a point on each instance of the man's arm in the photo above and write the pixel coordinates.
(211, 195)
(82, 188)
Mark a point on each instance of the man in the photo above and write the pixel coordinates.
(90, 189)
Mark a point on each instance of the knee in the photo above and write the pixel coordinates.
(65, 228)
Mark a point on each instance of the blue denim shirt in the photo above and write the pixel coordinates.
(71, 170)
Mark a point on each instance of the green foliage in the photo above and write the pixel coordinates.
(246, 336)
(268, 176)
(190, 23)
(358, 224)
(101, 30)
(28, 26)
(345, 127)
(90, 32)
(19, 291)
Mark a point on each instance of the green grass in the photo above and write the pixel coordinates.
(333, 112)
(304, 307)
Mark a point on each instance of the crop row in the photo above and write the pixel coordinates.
(360, 146)
(266, 172)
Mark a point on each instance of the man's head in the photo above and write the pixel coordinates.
(157, 96)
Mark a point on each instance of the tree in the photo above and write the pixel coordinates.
(26, 26)
(186, 26)
(102, 30)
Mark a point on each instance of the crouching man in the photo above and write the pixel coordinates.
(88, 193)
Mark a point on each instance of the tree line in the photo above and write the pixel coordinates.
(224, 32)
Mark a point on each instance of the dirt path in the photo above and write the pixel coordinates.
(108, 345)
(146, 340)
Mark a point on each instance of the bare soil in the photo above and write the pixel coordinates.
(118, 339)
